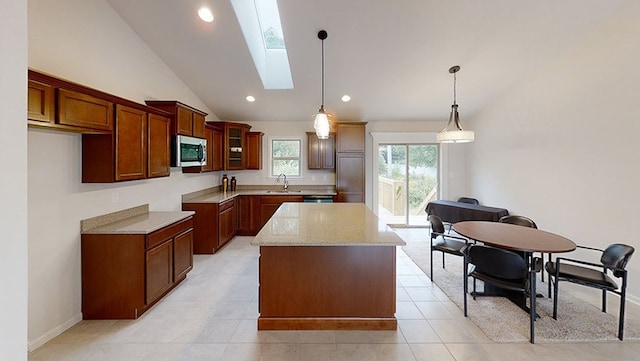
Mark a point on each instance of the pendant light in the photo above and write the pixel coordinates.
(453, 132)
(321, 119)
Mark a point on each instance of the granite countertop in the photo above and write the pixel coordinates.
(214, 195)
(325, 224)
(132, 221)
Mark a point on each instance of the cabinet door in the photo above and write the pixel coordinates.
(182, 254)
(320, 152)
(131, 143)
(40, 102)
(248, 215)
(227, 224)
(217, 148)
(159, 271)
(184, 121)
(253, 154)
(208, 135)
(198, 125)
(350, 137)
(350, 175)
(83, 110)
(234, 144)
(159, 146)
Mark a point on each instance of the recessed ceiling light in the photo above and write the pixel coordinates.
(205, 14)
(346, 98)
(250, 98)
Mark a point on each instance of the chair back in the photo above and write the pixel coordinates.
(436, 225)
(518, 221)
(497, 262)
(616, 257)
(468, 200)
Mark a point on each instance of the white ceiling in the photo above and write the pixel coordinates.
(391, 56)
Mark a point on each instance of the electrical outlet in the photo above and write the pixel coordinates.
(313, 178)
(324, 177)
(115, 197)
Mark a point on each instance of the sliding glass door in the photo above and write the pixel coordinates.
(407, 181)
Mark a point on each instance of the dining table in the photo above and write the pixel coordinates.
(523, 240)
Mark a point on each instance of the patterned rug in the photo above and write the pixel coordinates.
(503, 321)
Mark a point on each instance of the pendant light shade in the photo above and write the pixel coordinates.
(453, 132)
(321, 119)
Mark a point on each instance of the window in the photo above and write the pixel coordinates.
(285, 157)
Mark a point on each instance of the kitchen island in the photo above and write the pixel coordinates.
(327, 266)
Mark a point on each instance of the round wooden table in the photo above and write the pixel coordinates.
(514, 237)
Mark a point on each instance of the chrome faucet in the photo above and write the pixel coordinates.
(286, 182)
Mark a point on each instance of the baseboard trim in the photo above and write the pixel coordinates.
(48, 336)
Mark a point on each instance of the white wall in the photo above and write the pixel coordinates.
(94, 47)
(13, 192)
(562, 146)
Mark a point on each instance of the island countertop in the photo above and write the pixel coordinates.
(325, 224)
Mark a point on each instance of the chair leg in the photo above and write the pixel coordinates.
(474, 289)
(542, 270)
(604, 301)
(623, 294)
(465, 282)
(442, 259)
(555, 298)
(431, 263)
(532, 306)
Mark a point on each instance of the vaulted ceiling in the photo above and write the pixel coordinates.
(391, 57)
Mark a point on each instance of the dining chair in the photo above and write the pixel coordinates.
(444, 242)
(525, 222)
(468, 200)
(504, 269)
(615, 258)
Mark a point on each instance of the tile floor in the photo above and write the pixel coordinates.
(212, 316)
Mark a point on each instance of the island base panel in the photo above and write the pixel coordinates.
(327, 287)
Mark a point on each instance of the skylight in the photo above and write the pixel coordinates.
(260, 23)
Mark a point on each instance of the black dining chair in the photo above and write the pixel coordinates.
(444, 242)
(614, 258)
(504, 269)
(525, 222)
(468, 200)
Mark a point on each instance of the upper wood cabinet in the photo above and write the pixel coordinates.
(320, 152)
(137, 149)
(253, 154)
(217, 148)
(83, 110)
(62, 105)
(40, 105)
(186, 120)
(158, 146)
(234, 144)
(350, 137)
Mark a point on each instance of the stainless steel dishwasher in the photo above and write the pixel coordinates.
(317, 199)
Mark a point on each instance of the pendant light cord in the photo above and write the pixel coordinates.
(322, 104)
(454, 88)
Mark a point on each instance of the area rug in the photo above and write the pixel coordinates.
(503, 321)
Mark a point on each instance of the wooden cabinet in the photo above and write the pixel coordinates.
(124, 274)
(227, 221)
(130, 144)
(214, 224)
(58, 104)
(320, 152)
(254, 150)
(248, 215)
(137, 149)
(234, 145)
(350, 162)
(350, 137)
(158, 146)
(186, 120)
(40, 106)
(350, 177)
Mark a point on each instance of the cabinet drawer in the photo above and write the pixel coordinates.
(226, 204)
(279, 199)
(168, 232)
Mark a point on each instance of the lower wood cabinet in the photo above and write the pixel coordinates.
(248, 215)
(125, 274)
(214, 224)
(269, 205)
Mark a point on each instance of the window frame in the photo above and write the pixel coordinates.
(299, 158)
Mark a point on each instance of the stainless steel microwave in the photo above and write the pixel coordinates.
(188, 151)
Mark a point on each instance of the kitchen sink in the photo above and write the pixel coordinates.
(283, 191)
